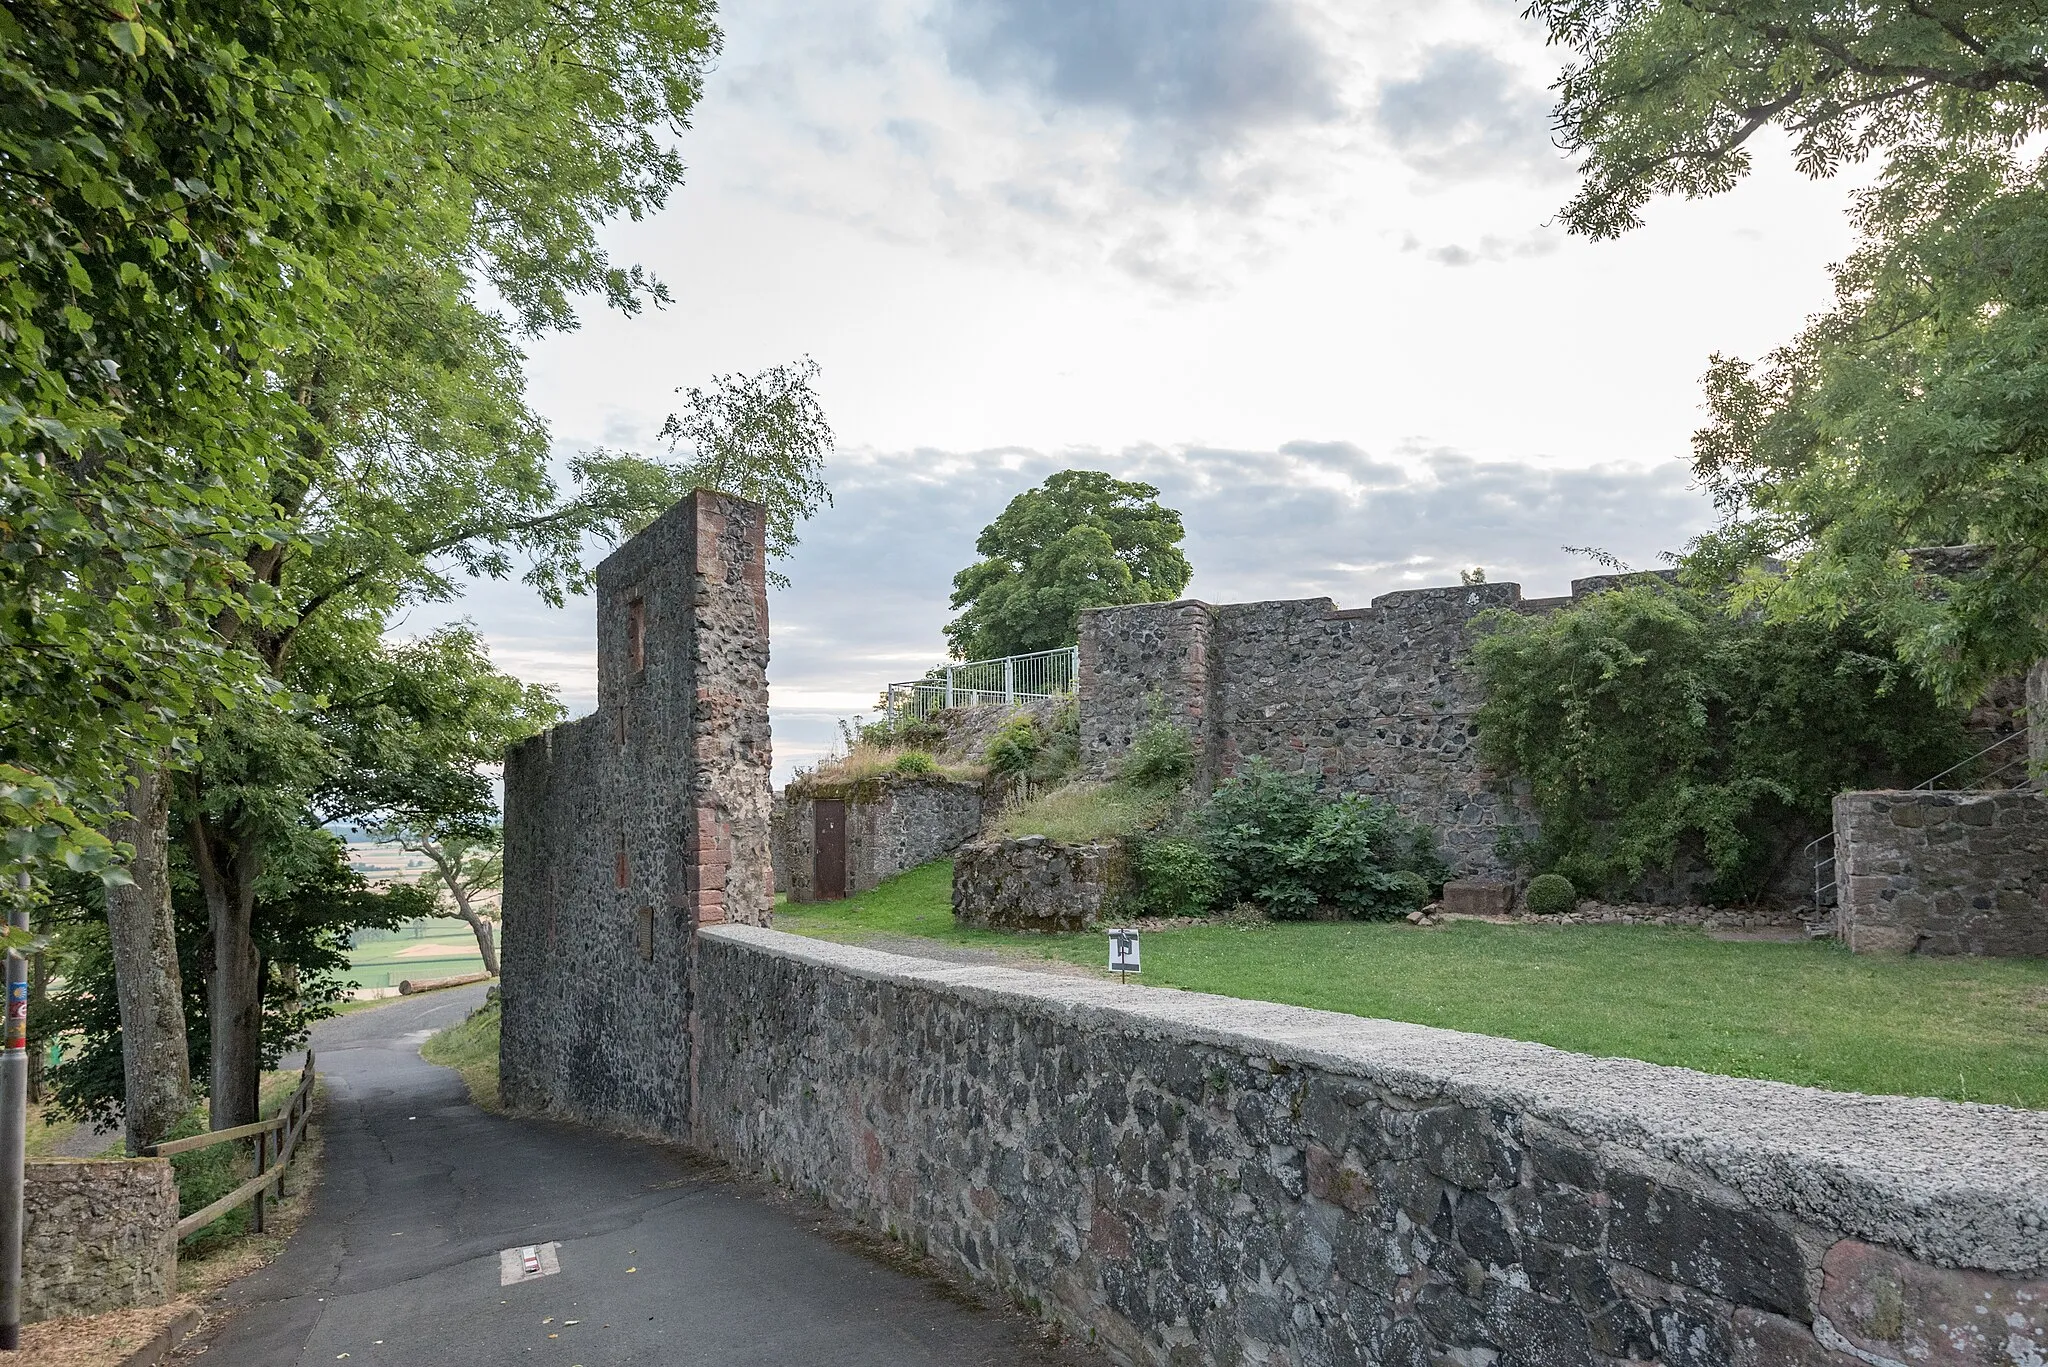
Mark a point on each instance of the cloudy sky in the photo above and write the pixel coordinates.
(1291, 261)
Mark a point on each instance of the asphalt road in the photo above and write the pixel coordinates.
(662, 1260)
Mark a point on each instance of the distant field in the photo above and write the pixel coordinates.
(440, 948)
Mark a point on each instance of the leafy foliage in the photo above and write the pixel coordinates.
(1281, 844)
(915, 762)
(1178, 877)
(1908, 415)
(1082, 540)
(1550, 894)
(1159, 756)
(308, 902)
(1015, 746)
(1655, 725)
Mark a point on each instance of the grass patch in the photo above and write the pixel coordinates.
(206, 1175)
(1079, 813)
(1809, 1013)
(470, 1047)
(868, 761)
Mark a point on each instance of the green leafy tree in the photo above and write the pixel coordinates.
(465, 866)
(1661, 733)
(1908, 415)
(1082, 540)
(763, 437)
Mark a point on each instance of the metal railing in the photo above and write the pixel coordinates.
(1826, 891)
(276, 1138)
(980, 683)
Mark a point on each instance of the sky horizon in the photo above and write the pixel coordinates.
(1296, 266)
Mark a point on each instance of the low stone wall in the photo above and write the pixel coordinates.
(1187, 1179)
(1943, 873)
(1032, 883)
(893, 824)
(99, 1234)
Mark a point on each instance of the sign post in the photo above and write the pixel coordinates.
(13, 1127)
(1123, 954)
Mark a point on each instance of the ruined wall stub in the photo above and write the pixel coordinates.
(627, 829)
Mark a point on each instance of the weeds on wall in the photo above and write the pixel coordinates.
(1656, 728)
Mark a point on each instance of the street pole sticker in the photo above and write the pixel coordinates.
(1123, 951)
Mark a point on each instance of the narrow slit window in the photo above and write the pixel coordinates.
(619, 872)
(643, 932)
(636, 634)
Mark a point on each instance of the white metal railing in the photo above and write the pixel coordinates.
(979, 683)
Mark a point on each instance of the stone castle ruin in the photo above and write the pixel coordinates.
(627, 830)
(1189, 1180)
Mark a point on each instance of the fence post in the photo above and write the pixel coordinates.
(949, 685)
(262, 1152)
(1010, 681)
(1074, 670)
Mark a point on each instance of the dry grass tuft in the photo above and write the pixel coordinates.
(1079, 813)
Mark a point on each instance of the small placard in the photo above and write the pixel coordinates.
(1123, 951)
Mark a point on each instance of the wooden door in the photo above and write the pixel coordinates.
(828, 867)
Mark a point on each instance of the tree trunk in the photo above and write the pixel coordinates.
(227, 864)
(157, 1080)
(486, 943)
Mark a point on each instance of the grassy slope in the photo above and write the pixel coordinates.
(471, 1049)
(1812, 1013)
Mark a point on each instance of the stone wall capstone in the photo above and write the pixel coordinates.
(1191, 1180)
(1943, 873)
(99, 1234)
(1032, 883)
(628, 829)
(893, 824)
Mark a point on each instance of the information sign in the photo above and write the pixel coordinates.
(1123, 951)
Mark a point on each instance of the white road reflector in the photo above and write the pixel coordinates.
(526, 1263)
(1123, 951)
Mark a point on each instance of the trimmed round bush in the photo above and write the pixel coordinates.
(1550, 894)
(916, 762)
(1412, 892)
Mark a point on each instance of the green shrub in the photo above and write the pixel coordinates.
(1015, 746)
(1281, 844)
(1160, 757)
(923, 735)
(915, 762)
(1177, 877)
(1551, 894)
(1411, 890)
(1654, 727)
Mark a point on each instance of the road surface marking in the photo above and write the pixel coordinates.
(525, 1263)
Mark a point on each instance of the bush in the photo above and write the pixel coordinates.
(1411, 889)
(1160, 757)
(1177, 878)
(1280, 844)
(1656, 728)
(1551, 894)
(915, 762)
(924, 735)
(1015, 746)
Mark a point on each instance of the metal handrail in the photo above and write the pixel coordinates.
(1927, 785)
(1822, 849)
(1007, 679)
(273, 1155)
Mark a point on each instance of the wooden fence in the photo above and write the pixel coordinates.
(275, 1138)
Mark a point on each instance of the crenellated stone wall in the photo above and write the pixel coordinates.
(1375, 700)
(99, 1234)
(1943, 873)
(1189, 1180)
(628, 829)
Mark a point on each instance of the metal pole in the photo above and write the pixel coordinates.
(13, 1127)
(949, 685)
(1010, 682)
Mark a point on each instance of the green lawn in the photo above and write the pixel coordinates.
(1966, 1029)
